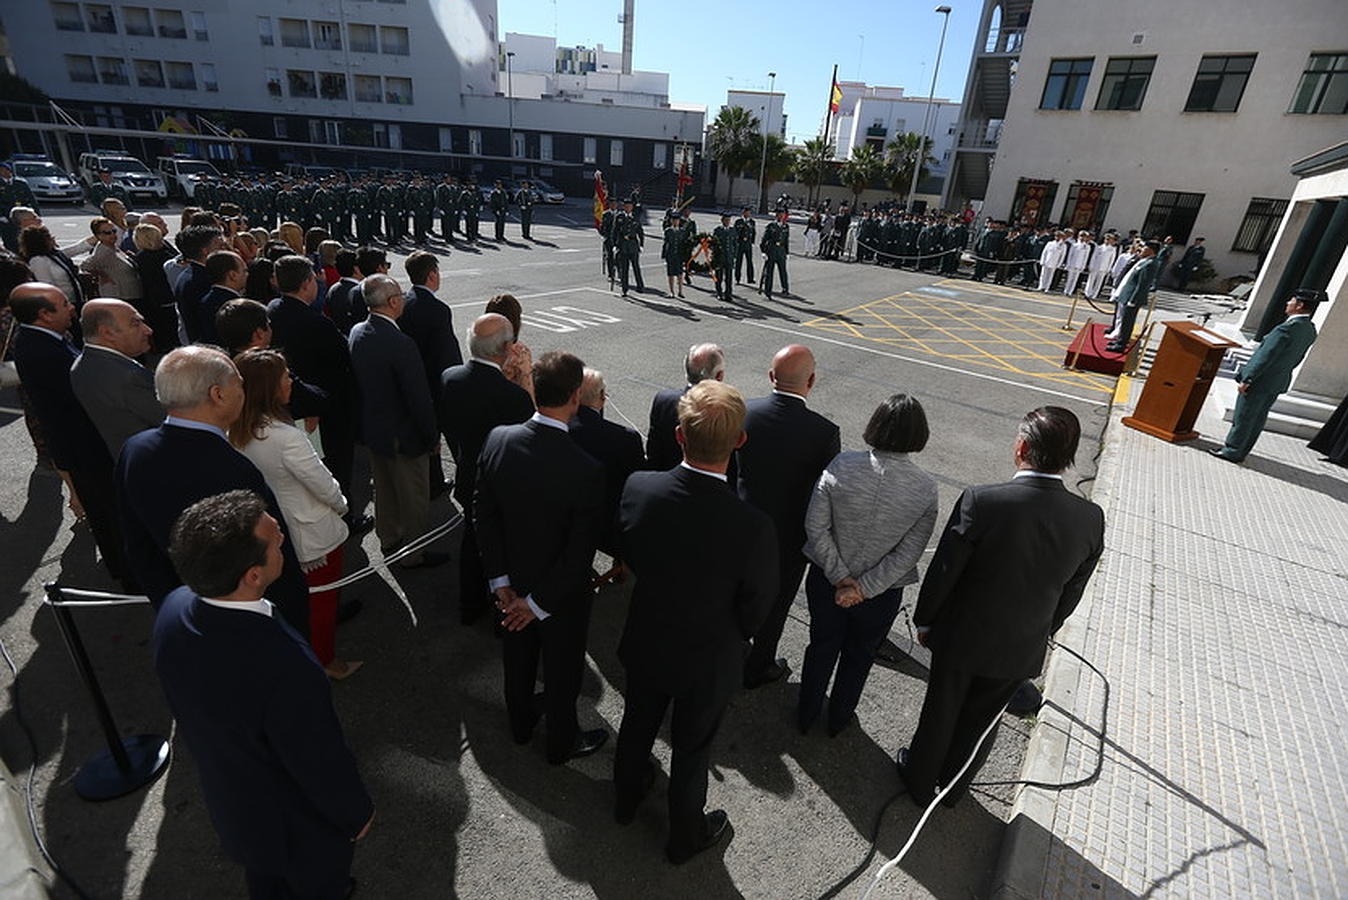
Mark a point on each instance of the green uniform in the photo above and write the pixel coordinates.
(672, 252)
(470, 204)
(987, 248)
(358, 206)
(203, 195)
(390, 203)
(956, 236)
(525, 200)
(421, 202)
(1268, 374)
(97, 194)
(323, 209)
(776, 246)
(499, 201)
(628, 239)
(689, 245)
(606, 222)
(447, 200)
(289, 205)
(746, 229)
(725, 249)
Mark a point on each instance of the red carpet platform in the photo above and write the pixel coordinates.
(1087, 352)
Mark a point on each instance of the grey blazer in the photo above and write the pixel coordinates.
(118, 394)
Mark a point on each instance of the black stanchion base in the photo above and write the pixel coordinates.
(102, 779)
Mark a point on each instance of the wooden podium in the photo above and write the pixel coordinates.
(1181, 375)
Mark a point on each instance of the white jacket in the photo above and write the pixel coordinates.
(1054, 254)
(1080, 255)
(1102, 260)
(44, 268)
(310, 498)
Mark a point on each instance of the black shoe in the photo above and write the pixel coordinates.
(774, 672)
(1217, 452)
(428, 560)
(587, 742)
(626, 813)
(1025, 702)
(805, 722)
(835, 729)
(359, 526)
(901, 763)
(716, 824)
(349, 610)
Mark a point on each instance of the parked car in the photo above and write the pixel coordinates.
(546, 193)
(140, 182)
(183, 173)
(48, 181)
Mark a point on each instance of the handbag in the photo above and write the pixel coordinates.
(9, 372)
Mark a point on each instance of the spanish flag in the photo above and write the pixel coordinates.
(600, 198)
(835, 96)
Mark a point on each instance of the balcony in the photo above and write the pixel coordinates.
(1005, 40)
(981, 134)
(295, 40)
(877, 131)
(114, 78)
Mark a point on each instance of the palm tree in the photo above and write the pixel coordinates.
(729, 139)
(812, 162)
(900, 157)
(864, 167)
(777, 163)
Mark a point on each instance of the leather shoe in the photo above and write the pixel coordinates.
(1025, 702)
(587, 742)
(1217, 452)
(626, 813)
(774, 672)
(428, 560)
(901, 763)
(716, 824)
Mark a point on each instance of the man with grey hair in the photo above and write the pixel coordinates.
(115, 390)
(474, 398)
(703, 362)
(164, 470)
(397, 420)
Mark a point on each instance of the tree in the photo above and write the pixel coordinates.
(777, 164)
(864, 167)
(730, 140)
(812, 163)
(900, 157)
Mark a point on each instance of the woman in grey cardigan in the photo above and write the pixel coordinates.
(868, 523)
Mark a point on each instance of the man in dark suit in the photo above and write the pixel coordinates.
(1010, 568)
(115, 390)
(662, 451)
(164, 470)
(228, 274)
(706, 568)
(536, 511)
(318, 354)
(44, 355)
(343, 305)
(615, 447)
(788, 447)
(280, 783)
(195, 243)
(474, 399)
(397, 420)
(428, 322)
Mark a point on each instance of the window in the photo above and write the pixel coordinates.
(395, 137)
(171, 24)
(1259, 226)
(67, 16)
(362, 38)
(81, 69)
(393, 40)
(446, 140)
(660, 156)
(280, 127)
(315, 131)
(398, 90)
(545, 146)
(100, 18)
(1324, 85)
(208, 80)
(327, 36)
(474, 142)
(180, 76)
(589, 150)
(274, 82)
(294, 32)
(1125, 82)
(264, 32)
(136, 21)
(380, 132)
(367, 89)
(332, 85)
(149, 73)
(517, 145)
(199, 31)
(1172, 213)
(112, 71)
(332, 132)
(1066, 84)
(615, 153)
(1219, 83)
(302, 84)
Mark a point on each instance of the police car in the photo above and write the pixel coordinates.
(48, 181)
(127, 171)
(183, 173)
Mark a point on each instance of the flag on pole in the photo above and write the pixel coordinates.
(684, 178)
(835, 96)
(600, 198)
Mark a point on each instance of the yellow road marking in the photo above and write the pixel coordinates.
(1122, 389)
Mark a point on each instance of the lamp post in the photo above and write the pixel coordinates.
(510, 100)
(922, 142)
(763, 163)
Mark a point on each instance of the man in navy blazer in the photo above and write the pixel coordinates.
(228, 274)
(474, 399)
(195, 243)
(397, 419)
(164, 470)
(788, 447)
(44, 356)
(280, 783)
(429, 323)
(662, 451)
(615, 447)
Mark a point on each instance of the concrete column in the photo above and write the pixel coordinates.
(1324, 373)
(1330, 252)
(1293, 273)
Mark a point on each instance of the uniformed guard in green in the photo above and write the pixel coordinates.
(746, 230)
(628, 240)
(908, 234)
(447, 201)
(288, 203)
(323, 207)
(269, 191)
(499, 202)
(891, 239)
(672, 252)
(101, 190)
(689, 247)
(203, 195)
(13, 192)
(725, 250)
(525, 200)
(776, 246)
(421, 202)
(470, 204)
(390, 207)
(606, 222)
(988, 247)
(868, 236)
(956, 236)
(928, 245)
(358, 206)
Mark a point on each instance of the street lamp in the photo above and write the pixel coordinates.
(922, 142)
(510, 99)
(763, 164)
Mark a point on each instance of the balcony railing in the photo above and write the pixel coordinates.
(981, 134)
(295, 40)
(1005, 40)
(66, 23)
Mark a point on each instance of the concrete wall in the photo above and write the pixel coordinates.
(766, 106)
(1229, 157)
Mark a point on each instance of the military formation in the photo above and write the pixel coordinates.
(926, 243)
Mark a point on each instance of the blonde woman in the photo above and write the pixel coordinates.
(292, 235)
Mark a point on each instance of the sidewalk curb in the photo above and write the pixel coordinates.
(1021, 872)
(24, 874)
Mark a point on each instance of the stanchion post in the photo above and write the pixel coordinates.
(130, 763)
(1071, 313)
(1077, 354)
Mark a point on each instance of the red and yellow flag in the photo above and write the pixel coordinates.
(835, 97)
(600, 198)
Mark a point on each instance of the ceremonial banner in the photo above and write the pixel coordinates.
(1088, 201)
(1033, 206)
(600, 198)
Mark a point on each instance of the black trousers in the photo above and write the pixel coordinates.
(326, 877)
(474, 598)
(725, 283)
(696, 719)
(500, 226)
(94, 484)
(780, 265)
(526, 222)
(421, 223)
(790, 567)
(632, 263)
(339, 450)
(559, 643)
(470, 227)
(845, 639)
(956, 709)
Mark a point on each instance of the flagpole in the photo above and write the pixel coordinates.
(828, 117)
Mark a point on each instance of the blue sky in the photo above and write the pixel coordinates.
(710, 47)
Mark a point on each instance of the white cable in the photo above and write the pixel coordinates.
(885, 869)
(634, 425)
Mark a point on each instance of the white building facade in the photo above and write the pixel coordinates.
(1167, 118)
(533, 67)
(870, 114)
(766, 106)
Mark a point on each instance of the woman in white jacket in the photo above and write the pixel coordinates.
(310, 499)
